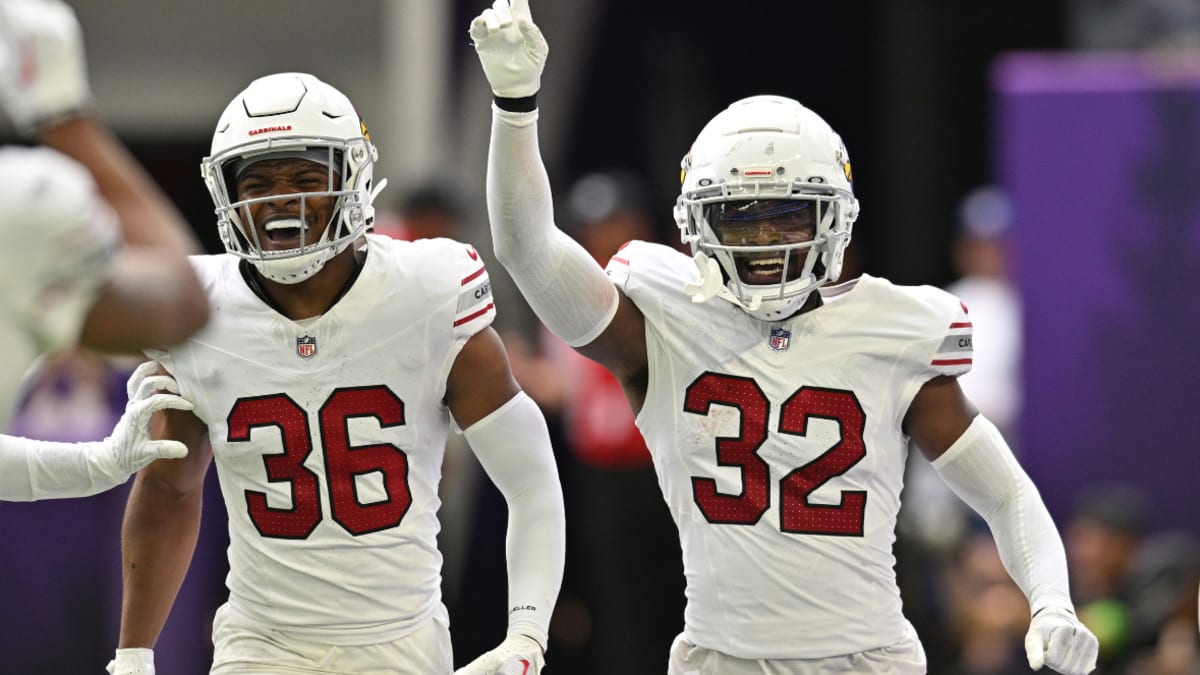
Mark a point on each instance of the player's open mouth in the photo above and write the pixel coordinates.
(760, 271)
(766, 270)
(285, 231)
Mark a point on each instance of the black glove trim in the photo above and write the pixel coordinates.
(518, 105)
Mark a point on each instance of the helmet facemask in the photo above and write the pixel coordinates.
(767, 180)
(348, 217)
(292, 116)
(750, 238)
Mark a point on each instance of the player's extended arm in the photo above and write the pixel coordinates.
(508, 434)
(154, 298)
(31, 470)
(158, 536)
(562, 283)
(969, 453)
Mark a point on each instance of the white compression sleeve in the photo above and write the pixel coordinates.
(31, 470)
(566, 288)
(983, 472)
(513, 445)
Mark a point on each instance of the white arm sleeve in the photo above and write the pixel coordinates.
(983, 472)
(31, 470)
(513, 445)
(567, 289)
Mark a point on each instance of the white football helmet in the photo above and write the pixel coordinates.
(766, 148)
(292, 115)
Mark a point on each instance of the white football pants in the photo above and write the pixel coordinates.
(243, 647)
(906, 657)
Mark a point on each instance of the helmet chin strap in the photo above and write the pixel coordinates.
(295, 269)
(711, 280)
(712, 284)
(382, 183)
(774, 309)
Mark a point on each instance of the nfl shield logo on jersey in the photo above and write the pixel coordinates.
(780, 338)
(306, 346)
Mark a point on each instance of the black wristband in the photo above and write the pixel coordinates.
(518, 105)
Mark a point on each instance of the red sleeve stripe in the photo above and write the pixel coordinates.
(960, 324)
(617, 259)
(475, 315)
(474, 275)
(951, 362)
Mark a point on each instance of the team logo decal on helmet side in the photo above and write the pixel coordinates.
(684, 167)
(845, 162)
(306, 346)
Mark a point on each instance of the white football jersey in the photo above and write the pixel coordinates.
(60, 239)
(779, 451)
(328, 437)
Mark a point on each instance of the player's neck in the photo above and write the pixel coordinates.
(313, 296)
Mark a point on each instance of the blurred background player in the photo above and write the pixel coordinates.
(629, 560)
(325, 388)
(985, 285)
(426, 211)
(935, 530)
(623, 588)
(94, 253)
(777, 412)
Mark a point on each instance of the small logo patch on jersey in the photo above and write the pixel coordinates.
(780, 339)
(306, 346)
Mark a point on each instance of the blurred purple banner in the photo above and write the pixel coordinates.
(1101, 154)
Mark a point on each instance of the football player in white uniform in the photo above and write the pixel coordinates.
(324, 388)
(777, 409)
(94, 254)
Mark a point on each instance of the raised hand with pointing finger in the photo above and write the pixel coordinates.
(511, 48)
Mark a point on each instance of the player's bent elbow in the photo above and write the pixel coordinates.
(175, 313)
(153, 303)
(188, 314)
(160, 325)
(507, 256)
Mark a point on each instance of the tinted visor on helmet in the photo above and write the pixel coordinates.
(760, 222)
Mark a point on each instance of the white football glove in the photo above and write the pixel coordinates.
(511, 48)
(1056, 638)
(132, 661)
(43, 72)
(130, 448)
(517, 655)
